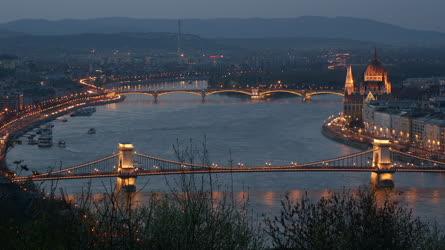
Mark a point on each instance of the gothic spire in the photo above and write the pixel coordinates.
(349, 82)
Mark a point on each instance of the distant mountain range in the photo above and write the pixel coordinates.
(46, 45)
(302, 27)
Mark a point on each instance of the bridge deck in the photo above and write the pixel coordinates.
(221, 171)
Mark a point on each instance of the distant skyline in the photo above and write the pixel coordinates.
(425, 14)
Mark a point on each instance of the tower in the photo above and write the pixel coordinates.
(388, 85)
(383, 168)
(349, 82)
(179, 37)
(126, 179)
(376, 78)
(352, 101)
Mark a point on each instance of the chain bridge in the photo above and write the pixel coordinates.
(382, 161)
(253, 93)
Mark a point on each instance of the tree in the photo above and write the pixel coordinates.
(350, 221)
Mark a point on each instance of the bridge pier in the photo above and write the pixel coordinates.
(203, 96)
(307, 98)
(256, 94)
(126, 179)
(383, 174)
(256, 97)
(155, 96)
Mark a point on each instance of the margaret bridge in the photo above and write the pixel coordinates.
(127, 164)
(253, 93)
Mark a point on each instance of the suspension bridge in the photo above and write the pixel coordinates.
(127, 164)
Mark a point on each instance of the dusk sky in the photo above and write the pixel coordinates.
(420, 14)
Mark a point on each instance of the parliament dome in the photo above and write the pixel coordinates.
(375, 71)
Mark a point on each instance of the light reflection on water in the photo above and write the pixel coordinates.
(277, 131)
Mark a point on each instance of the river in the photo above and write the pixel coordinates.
(277, 131)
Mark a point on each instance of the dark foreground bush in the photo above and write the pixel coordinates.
(190, 220)
(187, 219)
(350, 221)
(29, 220)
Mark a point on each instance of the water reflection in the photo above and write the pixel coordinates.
(295, 195)
(411, 196)
(269, 198)
(435, 197)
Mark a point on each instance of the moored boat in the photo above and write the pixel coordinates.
(62, 144)
(88, 111)
(46, 136)
(31, 139)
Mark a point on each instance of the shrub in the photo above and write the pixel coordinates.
(349, 221)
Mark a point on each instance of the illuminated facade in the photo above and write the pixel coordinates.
(375, 83)
(376, 79)
(403, 123)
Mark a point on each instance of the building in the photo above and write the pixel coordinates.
(11, 103)
(8, 62)
(338, 60)
(375, 84)
(433, 135)
(403, 123)
(423, 83)
(401, 127)
(437, 104)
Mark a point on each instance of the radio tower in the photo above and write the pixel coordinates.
(91, 61)
(179, 50)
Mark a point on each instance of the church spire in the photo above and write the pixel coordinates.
(388, 84)
(349, 82)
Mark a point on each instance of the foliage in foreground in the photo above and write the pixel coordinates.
(350, 221)
(189, 219)
(192, 219)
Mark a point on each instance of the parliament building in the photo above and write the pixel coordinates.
(375, 84)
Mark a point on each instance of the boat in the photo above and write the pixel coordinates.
(88, 111)
(62, 144)
(31, 140)
(46, 136)
(62, 119)
(91, 131)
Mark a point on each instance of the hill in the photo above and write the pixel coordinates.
(306, 26)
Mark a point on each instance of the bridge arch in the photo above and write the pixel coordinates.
(135, 93)
(315, 93)
(292, 92)
(213, 92)
(191, 92)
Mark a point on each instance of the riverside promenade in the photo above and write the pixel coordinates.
(31, 117)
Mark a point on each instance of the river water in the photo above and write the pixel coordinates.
(277, 131)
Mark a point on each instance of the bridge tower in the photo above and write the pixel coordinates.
(383, 173)
(126, 179)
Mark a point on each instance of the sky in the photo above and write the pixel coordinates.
(418, 14)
